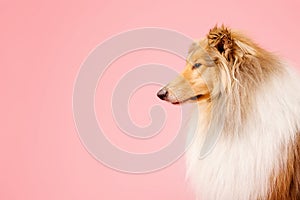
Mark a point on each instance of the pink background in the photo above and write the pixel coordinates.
(42, 47)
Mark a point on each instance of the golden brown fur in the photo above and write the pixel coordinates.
(235, 76)
(248, 67)
(286, 185)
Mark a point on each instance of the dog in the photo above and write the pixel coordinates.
(257, 95)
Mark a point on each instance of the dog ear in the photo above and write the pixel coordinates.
(221, 39)
(194, 45)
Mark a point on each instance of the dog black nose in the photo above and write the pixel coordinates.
(162, 94)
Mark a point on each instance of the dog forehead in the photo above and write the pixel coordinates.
(198, 53)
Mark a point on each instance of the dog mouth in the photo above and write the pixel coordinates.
(194, 98)
(165, 95)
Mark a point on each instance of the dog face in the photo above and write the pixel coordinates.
(210, 68)
(195, 81)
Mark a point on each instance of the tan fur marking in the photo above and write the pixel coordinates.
(249, 66)
(286, 186)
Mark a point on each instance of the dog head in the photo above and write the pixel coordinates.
(209, 68)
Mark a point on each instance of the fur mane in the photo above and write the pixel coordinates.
(243, 68)
(258, 98)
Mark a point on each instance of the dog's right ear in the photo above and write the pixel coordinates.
(221, 39)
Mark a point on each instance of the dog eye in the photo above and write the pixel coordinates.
(196, 65)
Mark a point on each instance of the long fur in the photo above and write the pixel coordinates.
(258, 97)
(257, 154)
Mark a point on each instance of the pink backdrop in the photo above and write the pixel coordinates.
(42, 48)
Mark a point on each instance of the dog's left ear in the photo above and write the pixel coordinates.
(221, 39)
(194, 46)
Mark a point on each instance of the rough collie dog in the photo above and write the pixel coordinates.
(257, 153)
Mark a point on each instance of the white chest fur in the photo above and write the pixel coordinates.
(240, 167)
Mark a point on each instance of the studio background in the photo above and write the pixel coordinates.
(43, 45)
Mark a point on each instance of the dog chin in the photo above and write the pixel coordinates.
(191, 100)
